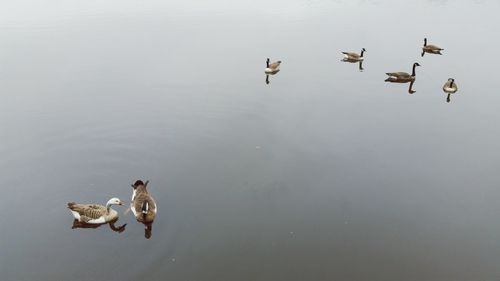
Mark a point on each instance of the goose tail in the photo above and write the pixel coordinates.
(145, 208)
(71, 205)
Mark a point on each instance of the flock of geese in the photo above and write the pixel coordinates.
(449, 88)
(143, 207)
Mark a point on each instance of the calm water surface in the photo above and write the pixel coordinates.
(327, 173)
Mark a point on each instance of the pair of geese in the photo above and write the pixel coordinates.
(143, 206)
(450, 87)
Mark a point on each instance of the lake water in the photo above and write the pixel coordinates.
(326, 173)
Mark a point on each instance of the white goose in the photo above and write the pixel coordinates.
(93, 213)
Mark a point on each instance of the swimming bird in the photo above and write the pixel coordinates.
(402, 77)
(431, 49)
(143, 205)
(450, 87)
(272, 68)
(353, 57)
(93, 213)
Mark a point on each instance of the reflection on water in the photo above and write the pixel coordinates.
(119, 229)
(148, 229)
(270, 74)
(360, 62)
(410, 88)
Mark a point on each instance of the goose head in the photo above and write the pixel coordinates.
(413, 69)
(137, 184)
(425, 41)
(114, 201)
(267, 62)
(451, 80)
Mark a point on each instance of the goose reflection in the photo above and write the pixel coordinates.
(271, 68)
(119, 229)
(360, 62)
(267, 77)
(148, 230)
(410, 88)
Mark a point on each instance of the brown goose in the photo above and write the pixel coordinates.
(402, 77)
(450, 87)
(353, 57)
(272, 68)
(143, 205)
(93, 213)
(431, 49)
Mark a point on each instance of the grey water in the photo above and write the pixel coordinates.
(325, 173)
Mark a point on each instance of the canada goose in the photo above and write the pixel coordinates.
(353, 57)
(272, 68)
(450, 87)
(93, 213)
(431, 49)
(402, 77)
(143, 205)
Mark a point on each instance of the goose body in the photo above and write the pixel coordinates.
(402, 77)
(432, 49)
(353, 57)
(272, 68)
(94, 213)
(450, 87)
(143, 205)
